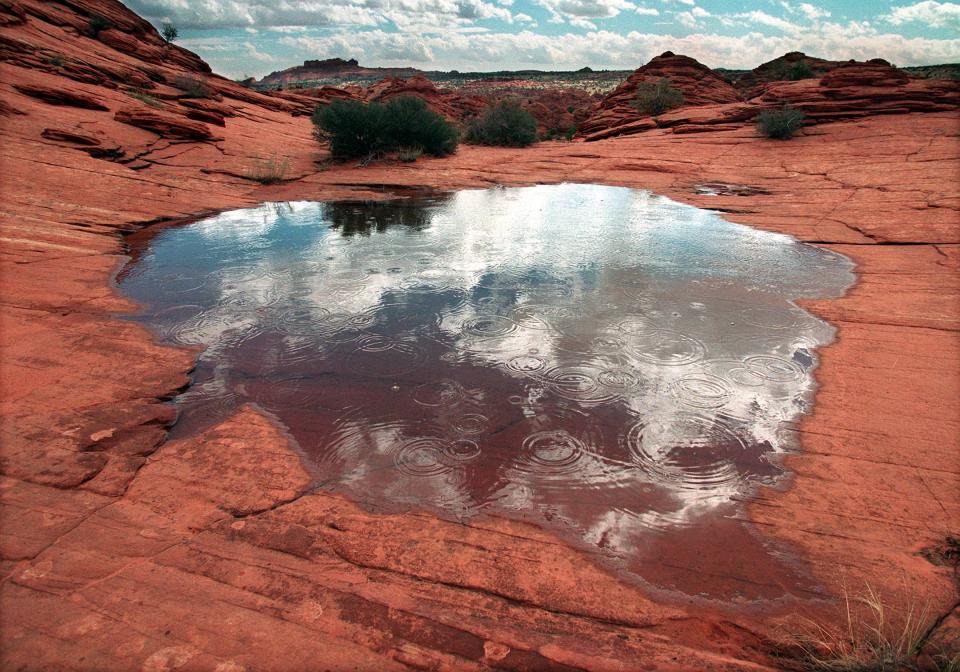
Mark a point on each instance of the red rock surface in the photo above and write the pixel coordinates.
(847, 91)
(121, 550)
(699, 84)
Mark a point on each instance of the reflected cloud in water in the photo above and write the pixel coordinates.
(604, 361)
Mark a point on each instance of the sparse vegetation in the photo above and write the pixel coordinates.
(193, 87)
(98, 23)
(144, 97)
(657, 98)
(799, 70)
(871, 638)
(780, 124)
(505, 124)
(270, 170)
(409, 154)
(355, 129)
(56, 60)
(559, 133)
(169, 32)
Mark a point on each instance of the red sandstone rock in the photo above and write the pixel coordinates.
(94, 143)
(61, 96)
(451, 104)
(164, 124)
(617, 113)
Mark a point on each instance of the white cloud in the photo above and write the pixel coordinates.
(699, 12)
(405, 14)
(764, 19)
(647, 11)
(813, 12)
(932, 13)
(491, 51)
(686, 19)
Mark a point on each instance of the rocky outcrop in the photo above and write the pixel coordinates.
(847, 91)
(63, 95)
(617, 113)
(854, 90)
(451, 104)
(163, 124)
(782, 68)
(313, 70)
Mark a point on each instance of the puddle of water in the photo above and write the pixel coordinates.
(608, 363)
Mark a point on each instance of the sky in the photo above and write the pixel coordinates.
(241, 38)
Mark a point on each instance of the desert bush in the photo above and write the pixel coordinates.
(270, 170)
(657, 98)
(780, 124)
(356, 129)
(193, 87)
(505, 124)
(169, 32)
(799, 70)
(97, 23)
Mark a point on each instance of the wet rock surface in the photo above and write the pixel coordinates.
(123, 550)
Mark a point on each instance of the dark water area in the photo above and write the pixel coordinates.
(619, 368)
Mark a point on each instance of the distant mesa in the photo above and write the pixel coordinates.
(332, 68)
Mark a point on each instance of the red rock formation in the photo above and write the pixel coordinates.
(750, 83)
(617, 113)
(849, 90)
(451, 104)
(861, 89)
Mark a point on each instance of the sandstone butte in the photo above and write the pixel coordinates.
(121, 550)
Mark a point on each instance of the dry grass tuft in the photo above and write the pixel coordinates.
(872, 638)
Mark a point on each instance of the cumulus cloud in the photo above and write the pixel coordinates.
(601, 48)
(929, 12)
(405, 14)
(648, 11)
(764, 19)
(579, 13)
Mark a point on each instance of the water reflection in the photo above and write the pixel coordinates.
(601, 360)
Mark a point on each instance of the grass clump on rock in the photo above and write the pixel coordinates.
(193, 87)
(505, 124)
(780, 124)
(271, 170)
(655, 98)
(368, 130)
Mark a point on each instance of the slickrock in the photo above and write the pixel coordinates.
(846, 91)
(617, 113)
(122, 549)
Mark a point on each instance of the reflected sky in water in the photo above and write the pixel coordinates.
(603, 361)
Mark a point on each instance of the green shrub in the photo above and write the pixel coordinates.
(799, 70)
(657, 98)
(98, 23)
(269, 171)
(356, 129)
(169, 32)
(505, 124)
(193, 87)
(780, 124)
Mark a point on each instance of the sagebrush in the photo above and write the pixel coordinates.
(655, 98)
(780, 124)
(368, 130)
(505, 124)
